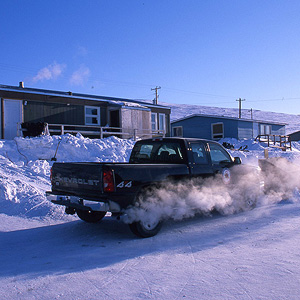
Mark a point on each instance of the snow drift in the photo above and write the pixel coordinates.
(25, 168)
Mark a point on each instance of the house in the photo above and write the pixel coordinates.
(73, 112)
(295, 136)
(217, 127)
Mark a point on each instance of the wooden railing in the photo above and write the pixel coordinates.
(275, 140)
(99, 131)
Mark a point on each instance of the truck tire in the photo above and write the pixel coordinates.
(90, 216)
(144, 229)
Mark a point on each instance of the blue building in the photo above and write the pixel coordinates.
(295, 136)
(217, 127)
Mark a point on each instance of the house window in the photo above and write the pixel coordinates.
(177, 131)
(92, 115)
(162, 122)
(154, 121)
(217, 131)
(265, 129)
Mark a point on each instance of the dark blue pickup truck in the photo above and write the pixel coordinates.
(93, 189)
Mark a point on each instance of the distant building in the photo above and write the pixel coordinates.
(217, 127)
(295, 136)
(73, 112)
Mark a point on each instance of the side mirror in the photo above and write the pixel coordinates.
(237, 161)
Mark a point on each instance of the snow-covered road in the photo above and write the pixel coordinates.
(251, 255)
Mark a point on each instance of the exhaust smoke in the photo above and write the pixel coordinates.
(276, 179)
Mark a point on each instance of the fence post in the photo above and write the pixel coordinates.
(266, 153)
(101, 133)
(19, 129)
(134, 134)
(62, 129)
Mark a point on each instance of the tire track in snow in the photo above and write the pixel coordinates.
(132, 264)
(194, 267)
(115, 275)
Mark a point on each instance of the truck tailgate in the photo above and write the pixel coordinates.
(78, 179)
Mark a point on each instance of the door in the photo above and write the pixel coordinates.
(114, 120)
(220, 159)
(199, 161)
(255, 130)
(12, 116)
(114, 117)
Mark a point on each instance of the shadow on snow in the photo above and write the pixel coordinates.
(77, 246)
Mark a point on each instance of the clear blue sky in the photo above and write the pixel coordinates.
(204, 52)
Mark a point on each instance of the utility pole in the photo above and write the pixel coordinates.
(240, 106)
(251, 112)
(156, 94)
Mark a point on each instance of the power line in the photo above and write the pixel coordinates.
(196, 93)
(253, 101)
(33, 72)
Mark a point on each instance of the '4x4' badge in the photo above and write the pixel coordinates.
(126, 184)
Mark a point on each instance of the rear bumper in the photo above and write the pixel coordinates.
(82, 204)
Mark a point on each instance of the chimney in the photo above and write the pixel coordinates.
(21, 84)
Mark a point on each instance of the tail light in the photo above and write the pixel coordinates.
(51, 174)
(108, 181)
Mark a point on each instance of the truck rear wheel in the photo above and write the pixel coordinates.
(145, 229)
(90, 216)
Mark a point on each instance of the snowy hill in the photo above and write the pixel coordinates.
(46, 254)
(182, 110)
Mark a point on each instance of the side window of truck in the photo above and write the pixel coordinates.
(199, 154)
(218, 154)
(145, 151)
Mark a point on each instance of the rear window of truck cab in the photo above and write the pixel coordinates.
(165, 152)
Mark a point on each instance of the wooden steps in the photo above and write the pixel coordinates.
(282, 142)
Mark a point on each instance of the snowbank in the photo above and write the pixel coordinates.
(25, 168)
(254, 150)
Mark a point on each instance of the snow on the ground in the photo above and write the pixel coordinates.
(46, 254)
(253, 255)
